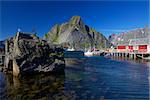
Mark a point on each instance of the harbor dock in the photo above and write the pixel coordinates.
(136, 48)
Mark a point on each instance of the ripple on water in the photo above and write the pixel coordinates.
(97, 78)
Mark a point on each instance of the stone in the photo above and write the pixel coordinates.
(27, 54)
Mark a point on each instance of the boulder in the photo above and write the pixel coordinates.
(27, 54)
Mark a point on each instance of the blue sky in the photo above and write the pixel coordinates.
(106, 17)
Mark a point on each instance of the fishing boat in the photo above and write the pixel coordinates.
(72, 49)
(94, 52)
(108, 55)
(88, 53)
(72, 53)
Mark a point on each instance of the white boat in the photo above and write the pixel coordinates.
(93, 52)
(72, 49)
(96, 52)
(107, 55)
(88, 53)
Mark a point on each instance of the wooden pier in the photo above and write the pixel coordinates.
(132, 48)
(133, 55)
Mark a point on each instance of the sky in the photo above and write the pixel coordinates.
(106, 17)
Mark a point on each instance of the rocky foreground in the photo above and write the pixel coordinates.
(27, 54)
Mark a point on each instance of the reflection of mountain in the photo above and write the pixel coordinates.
(35, 87)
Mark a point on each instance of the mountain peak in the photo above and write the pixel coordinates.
(76, 17)
(75, 20)
(75, 34)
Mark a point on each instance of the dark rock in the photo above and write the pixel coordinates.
(26, 54)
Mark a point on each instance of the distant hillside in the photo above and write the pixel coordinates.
(75, 34)
(124, 38)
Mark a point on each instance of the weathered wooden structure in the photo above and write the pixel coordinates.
(134, 47)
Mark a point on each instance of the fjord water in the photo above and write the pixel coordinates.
(89, 78)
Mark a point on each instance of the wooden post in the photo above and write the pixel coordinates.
(134, 56)
(126, 54)
(131, 56)
(142, 55)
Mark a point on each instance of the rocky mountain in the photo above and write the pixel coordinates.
(124, 38)
(75, 34)
(2, 47)
(26, 53)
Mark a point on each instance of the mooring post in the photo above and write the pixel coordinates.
(142, 55)
(134, 55)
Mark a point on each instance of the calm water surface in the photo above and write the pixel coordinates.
(92, 78)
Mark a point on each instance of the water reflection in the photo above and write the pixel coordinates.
(34, 87)
(92, 78)
(2, 86)
(143, 61)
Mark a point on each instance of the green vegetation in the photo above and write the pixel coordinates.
(55, 38)
(75, 19)
(58, 28)
(46, 35)
(52, 54)
(40, 44)
(92, 30)
(58, 54)
(34, 35)
(86, 45)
